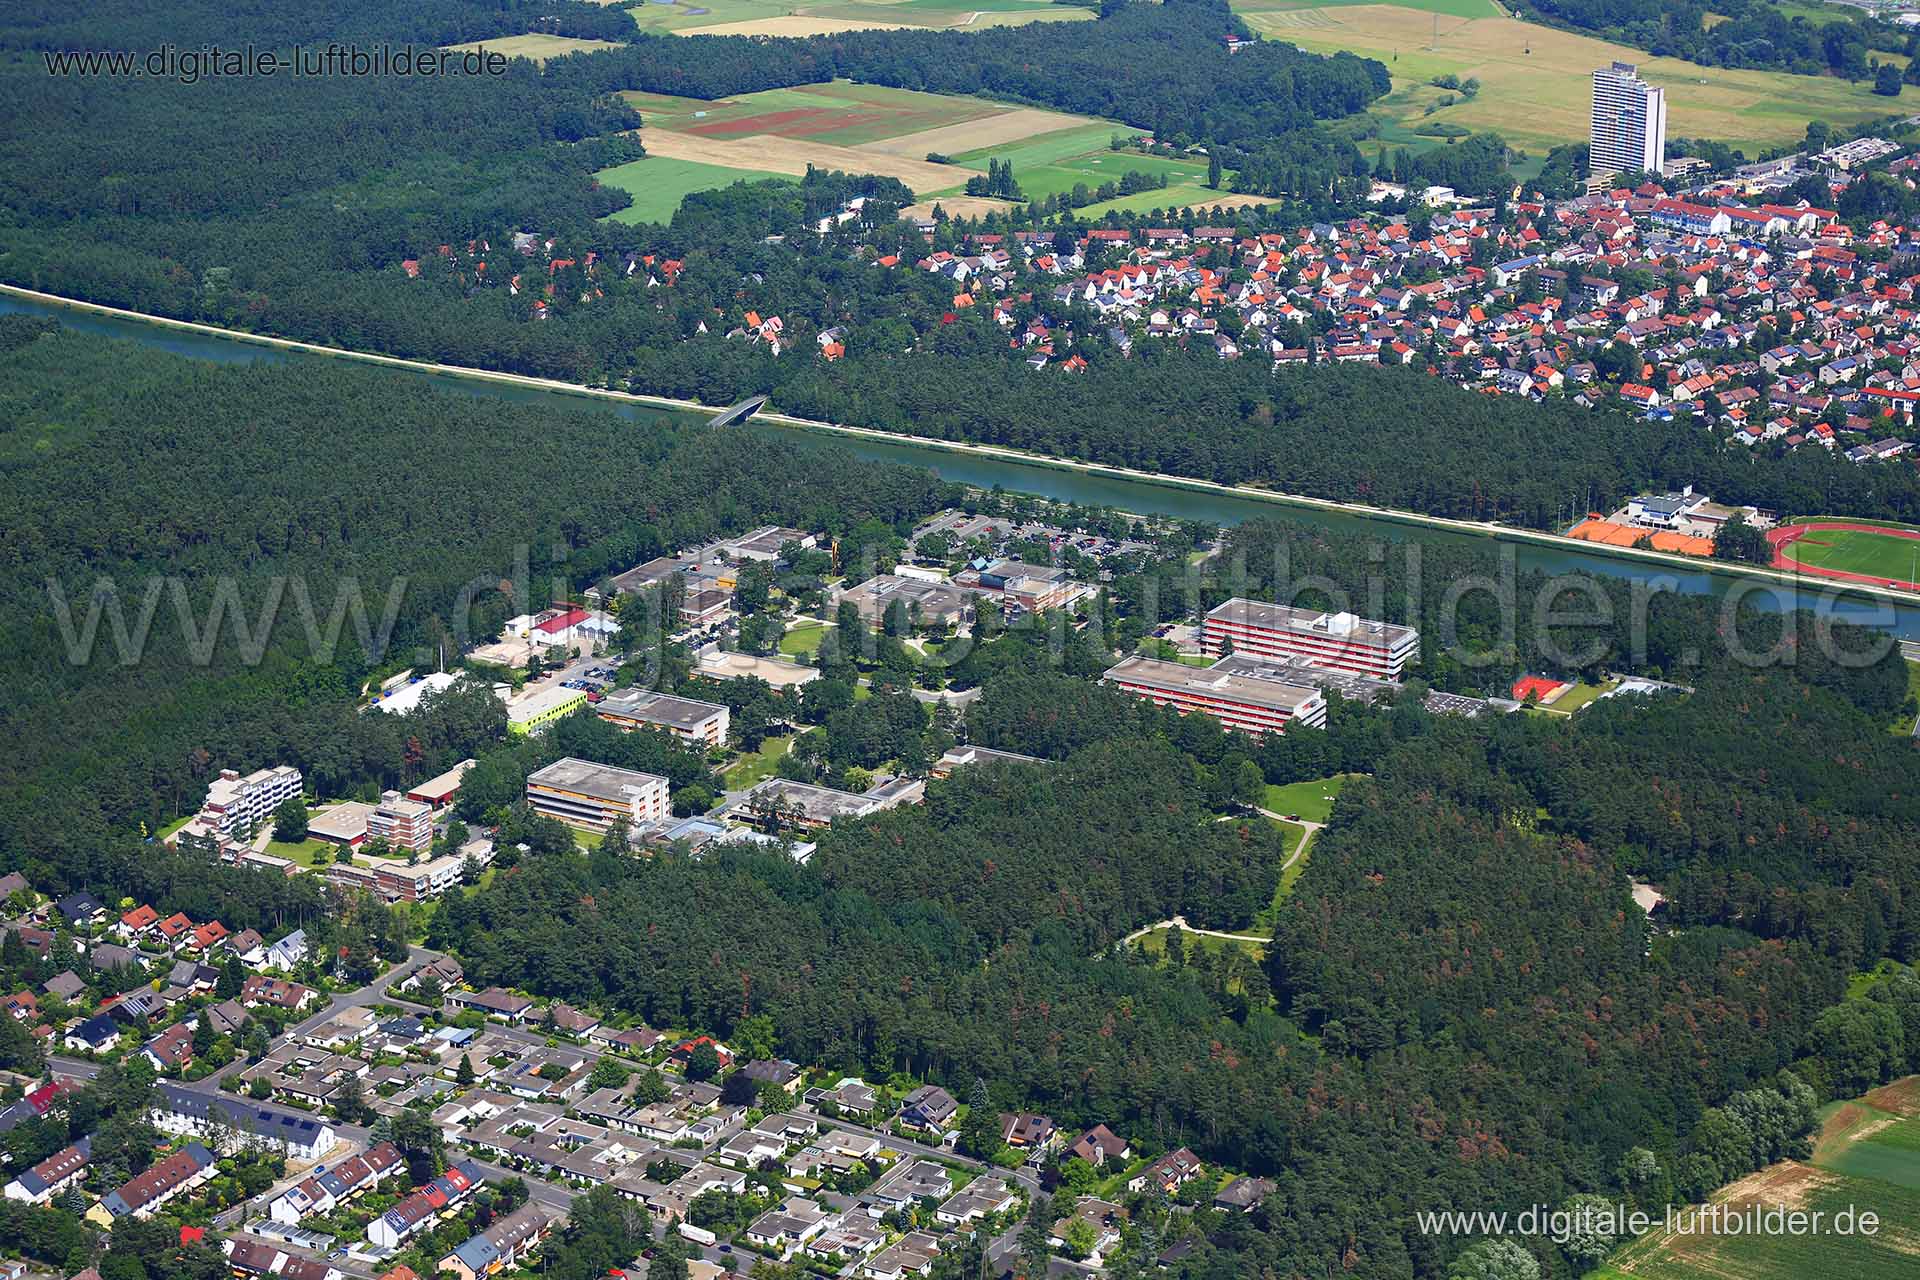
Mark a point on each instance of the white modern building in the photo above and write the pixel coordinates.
(1337, 641)
(1251, 706)
(583, 794)
(1629, 124)
(234, 802)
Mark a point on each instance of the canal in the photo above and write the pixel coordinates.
(1140, 496)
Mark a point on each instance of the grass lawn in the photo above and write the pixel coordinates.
(1312, 800)
(172, 827)
(303, 852)
(803, 638)
(1295, 835)
(1536, 81)
(752, 766)
(588, 840)
(1184, 195)
(1576, 696)
(658, 184)
(1878, 555)
(1155, 944)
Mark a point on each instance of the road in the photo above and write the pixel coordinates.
(1476, 528)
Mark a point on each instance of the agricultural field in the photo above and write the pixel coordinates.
(1866, 1158)
(659, 183)
(536, 47)
(850, 127)
(1535, 81)
(807, 17)
(862, 128)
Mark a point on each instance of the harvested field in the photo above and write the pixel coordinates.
(793, 155)
(794, 26)
(1016, 125)
(1535, 80)
(959, 207)
(537, 48)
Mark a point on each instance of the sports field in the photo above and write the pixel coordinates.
(1866, 1158)
(1850, 550)
(806, 17)
(659, 183)
(1536, 81)
(536, 47)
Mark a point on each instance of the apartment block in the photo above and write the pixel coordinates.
(234, 802)
(583, 794)
(1251, 706)
(402, 823)
(1629, 123)
(1337, 641)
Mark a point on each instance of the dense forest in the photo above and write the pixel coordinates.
(1162, 67)
(187, 24)
(349, 516)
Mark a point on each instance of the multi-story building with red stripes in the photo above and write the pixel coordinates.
(1239, 702)
(1338, 641)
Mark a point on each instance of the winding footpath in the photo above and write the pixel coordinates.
(1180, 922)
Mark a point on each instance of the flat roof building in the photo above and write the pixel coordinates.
(234, 802)
(1340, 641)
(687, 719)
(925, 601)
(965, 755)
(402, 823)
(718, 664)
(439, 791)
(581, 793)
(534, 709)
(344, 824)
(1348, 684)
(800, 804)
(1237, 702)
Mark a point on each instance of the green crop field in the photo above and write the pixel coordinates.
(1048, 148)
(1535, 81)
(1877, 555)
(1867, 1158)
(841, 113)
(658, 184)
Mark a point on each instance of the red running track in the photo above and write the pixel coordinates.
(1786, 536)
